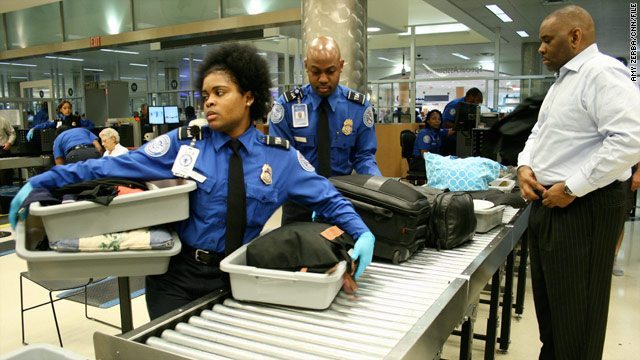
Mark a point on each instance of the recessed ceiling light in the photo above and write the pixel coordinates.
(461, 56)
(18, 64)
(522, 33)
(373, 29)
(135, 64)
(499, 13)
(90, 69)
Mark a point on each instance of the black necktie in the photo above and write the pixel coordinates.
(323, 140)
(236, 200)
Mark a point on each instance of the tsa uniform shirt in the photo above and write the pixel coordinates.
(68, 139)
(351, 128)
(273, 174)
(449, 113)
(430, 140)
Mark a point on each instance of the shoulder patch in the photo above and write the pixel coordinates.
(452, 111)
(367, 117)
(190, 132)
(158, 146)
(426, 139)
(356, 97)
(291, 95)
(276, 141)
(277, 113)
(306, 165)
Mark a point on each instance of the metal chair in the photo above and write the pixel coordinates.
(415, 175)
(54, 286)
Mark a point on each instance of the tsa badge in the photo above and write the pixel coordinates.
(347, 127)
(426, 139)
(267, 174)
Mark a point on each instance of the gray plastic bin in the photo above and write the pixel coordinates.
(41, 352)
(293, 288)
(53, 265)
(487, 219)
(168, 202)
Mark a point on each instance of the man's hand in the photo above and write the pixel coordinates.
(556, 197)
(635, 179)
(6, 147)
(529, 185)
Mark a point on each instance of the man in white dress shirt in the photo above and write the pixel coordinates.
(572, 169)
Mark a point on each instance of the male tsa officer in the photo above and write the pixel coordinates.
(345, 140)
(235, 84)
(473, 96)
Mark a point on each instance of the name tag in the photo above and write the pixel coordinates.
(300, 139)
(300, 115)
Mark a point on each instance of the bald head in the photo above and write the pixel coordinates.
(323, 46)
(564, 34)
(324, 65)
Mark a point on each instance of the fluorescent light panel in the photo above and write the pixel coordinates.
(135, 64)
(18, 64)
(89, 69)
(18, 77)
(438, 29)
(460, 56)
(522, 33)
(194, 59)
(64, 58)
(499, 13)
(373, 29)
(121, 51)
(385, 59)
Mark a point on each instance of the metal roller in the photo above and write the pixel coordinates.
(332, 352)
(181, 350)
(298, 326)
(244, 324)
(253, 348)
(336, 324)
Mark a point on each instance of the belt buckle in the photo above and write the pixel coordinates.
(197, 255)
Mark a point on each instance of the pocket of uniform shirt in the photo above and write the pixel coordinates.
(262, 202)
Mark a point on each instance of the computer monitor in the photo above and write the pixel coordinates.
(171, 115)
(156, 115)
(467, 116)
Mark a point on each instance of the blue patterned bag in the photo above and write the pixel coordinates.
(468, 174)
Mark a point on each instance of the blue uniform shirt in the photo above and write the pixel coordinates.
(449, 113)
(351, 123)
(429, 139)
(292, 177)
(40, 117)
(68, 139)
(60, 121)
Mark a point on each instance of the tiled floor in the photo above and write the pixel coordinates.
(623, 332)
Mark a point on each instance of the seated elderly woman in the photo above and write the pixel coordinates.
(111, 142)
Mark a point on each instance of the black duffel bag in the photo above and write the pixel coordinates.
(453, 221)
(314, 247)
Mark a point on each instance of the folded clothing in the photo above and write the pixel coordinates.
(139, 239)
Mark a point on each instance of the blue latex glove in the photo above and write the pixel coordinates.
(313, 216)
(16, 203)
(30, 135)
(363, 252)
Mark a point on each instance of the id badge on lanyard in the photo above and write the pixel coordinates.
(300, 115)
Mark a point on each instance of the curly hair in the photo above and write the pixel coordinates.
(248, 70)
(426, 118)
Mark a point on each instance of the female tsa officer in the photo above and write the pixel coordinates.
(235, 84)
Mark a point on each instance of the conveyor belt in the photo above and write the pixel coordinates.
(400, 311)
(26, 161)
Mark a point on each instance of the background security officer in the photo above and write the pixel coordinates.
(330, 124)
(235, 84)
(472, 96)
(73, 144)
(65, 117)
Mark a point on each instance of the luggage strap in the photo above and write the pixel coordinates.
(375, 182)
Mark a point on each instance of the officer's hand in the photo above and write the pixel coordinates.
(16, 203)
(313, 216)
(30, 135)
(363, 252)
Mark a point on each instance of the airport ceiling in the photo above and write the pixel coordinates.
(386, 48)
